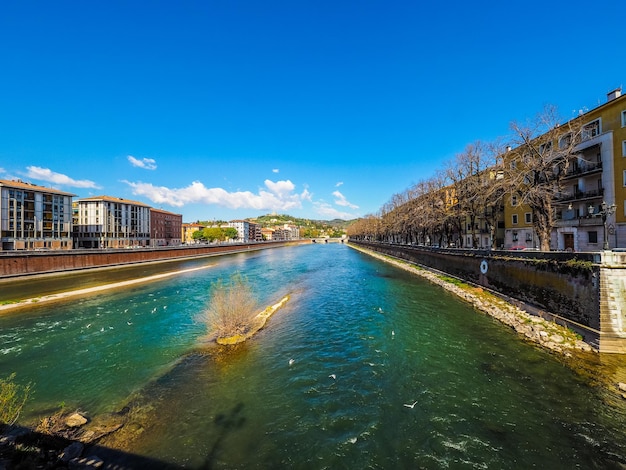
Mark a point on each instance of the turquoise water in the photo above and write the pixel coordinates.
(326, 383)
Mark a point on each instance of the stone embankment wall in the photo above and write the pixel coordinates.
(41, 262)
(564, 284)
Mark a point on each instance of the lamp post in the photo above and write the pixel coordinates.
(605, 211)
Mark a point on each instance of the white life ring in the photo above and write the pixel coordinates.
(483, 266)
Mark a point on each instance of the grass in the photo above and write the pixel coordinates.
(12, 399)
(231, 308)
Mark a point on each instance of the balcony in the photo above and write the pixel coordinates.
(587, 221)
(588, 168)
(580, 195)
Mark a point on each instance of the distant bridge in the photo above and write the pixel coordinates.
(328, 240)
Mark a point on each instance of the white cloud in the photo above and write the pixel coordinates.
(341, 200)
(145, 163)
(340, 183)
(278, 196)
(275, 170)
(326, 211)
(45, 174)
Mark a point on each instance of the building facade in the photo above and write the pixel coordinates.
(590, 209)
(243, 230)
(165, 228)
(187, 231)
(34, 217)
(111, 222)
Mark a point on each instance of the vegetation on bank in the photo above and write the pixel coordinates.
(12, 399)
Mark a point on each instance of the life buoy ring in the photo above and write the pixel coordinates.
(484, 267)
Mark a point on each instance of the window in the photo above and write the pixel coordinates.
(623, 148)
(528, 217)
(593, 237)
(514, 219)
(591, 130)
(624, 182)
(565, 141)
(624, 118)
(514, 200)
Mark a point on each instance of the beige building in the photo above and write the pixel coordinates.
(34, 217)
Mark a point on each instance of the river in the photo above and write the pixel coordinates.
(367, 366)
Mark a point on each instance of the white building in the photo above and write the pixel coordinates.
(243, 229)
(111, 222)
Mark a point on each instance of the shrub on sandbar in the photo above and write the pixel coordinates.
(231, 308)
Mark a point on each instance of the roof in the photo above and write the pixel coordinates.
(113, 199)
(19, 184)
(152, 209)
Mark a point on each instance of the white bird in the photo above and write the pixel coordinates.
(102, 329)
(291, 361)
(88, 325)
(412, 405)
(393, 333)
(129, 323)
(154, 310)
(164, 307)
(332, 376)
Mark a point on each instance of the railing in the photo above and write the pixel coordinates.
(589, 167)
(580, 195)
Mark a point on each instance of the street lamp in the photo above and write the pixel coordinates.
(605, 211)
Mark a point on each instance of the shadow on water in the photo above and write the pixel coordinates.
(226, 423)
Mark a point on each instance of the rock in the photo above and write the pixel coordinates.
(543, 334)
(557, 339)
(71, 452)
(622, 386)
(75, 420)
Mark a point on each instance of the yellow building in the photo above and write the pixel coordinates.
(590, 207)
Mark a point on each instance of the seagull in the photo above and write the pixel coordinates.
(154, 310)
(88, 326)
(393, 333)
(102, 329)
(412, 405)
(129, 323)
(164, 307)
(291, 361)
(332, 376)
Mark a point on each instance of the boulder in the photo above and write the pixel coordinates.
(75, 420)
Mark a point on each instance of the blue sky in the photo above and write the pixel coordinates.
(319, 109)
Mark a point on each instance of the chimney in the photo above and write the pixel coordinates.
(611, 95)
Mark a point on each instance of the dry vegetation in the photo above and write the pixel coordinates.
(231, 308)
(12, 399)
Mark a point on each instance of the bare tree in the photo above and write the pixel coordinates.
(534, 170)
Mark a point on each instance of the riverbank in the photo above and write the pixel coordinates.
(24, 303)
(547, 334)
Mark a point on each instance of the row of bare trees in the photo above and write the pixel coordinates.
(468, 194)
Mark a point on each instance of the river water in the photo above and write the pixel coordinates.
(367, 366)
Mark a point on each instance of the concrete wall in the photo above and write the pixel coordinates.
(37, 262)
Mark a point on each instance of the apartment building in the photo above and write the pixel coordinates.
(34, 217)
(111, 222)
(590, 209)
(165, 228)
(187, 231)
(243, 229)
